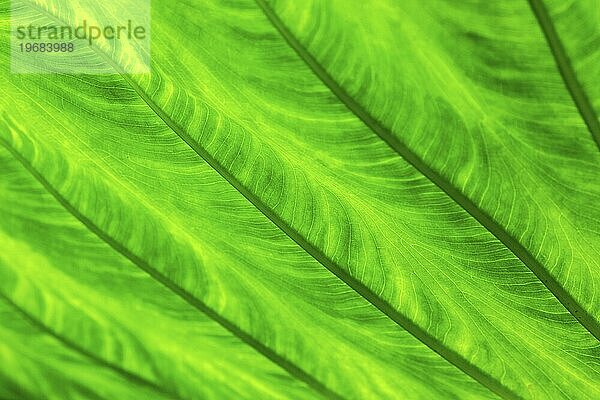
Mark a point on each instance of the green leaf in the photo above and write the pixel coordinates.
(338, 199)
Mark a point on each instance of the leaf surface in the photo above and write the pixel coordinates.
(233, 226)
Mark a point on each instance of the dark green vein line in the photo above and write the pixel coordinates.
(483, 218)
(78, 349)
(566, 69)
(267, 352)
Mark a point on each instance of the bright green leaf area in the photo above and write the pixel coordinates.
(308, 199)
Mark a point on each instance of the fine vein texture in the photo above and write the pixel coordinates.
(228, 227)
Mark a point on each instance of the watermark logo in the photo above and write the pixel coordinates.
(80, 36)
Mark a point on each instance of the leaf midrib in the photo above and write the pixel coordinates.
(510, 242)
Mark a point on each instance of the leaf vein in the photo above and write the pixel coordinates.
(580, 98)
(75, 347)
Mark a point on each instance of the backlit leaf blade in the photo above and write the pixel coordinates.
(127, 153)
(207, 240)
